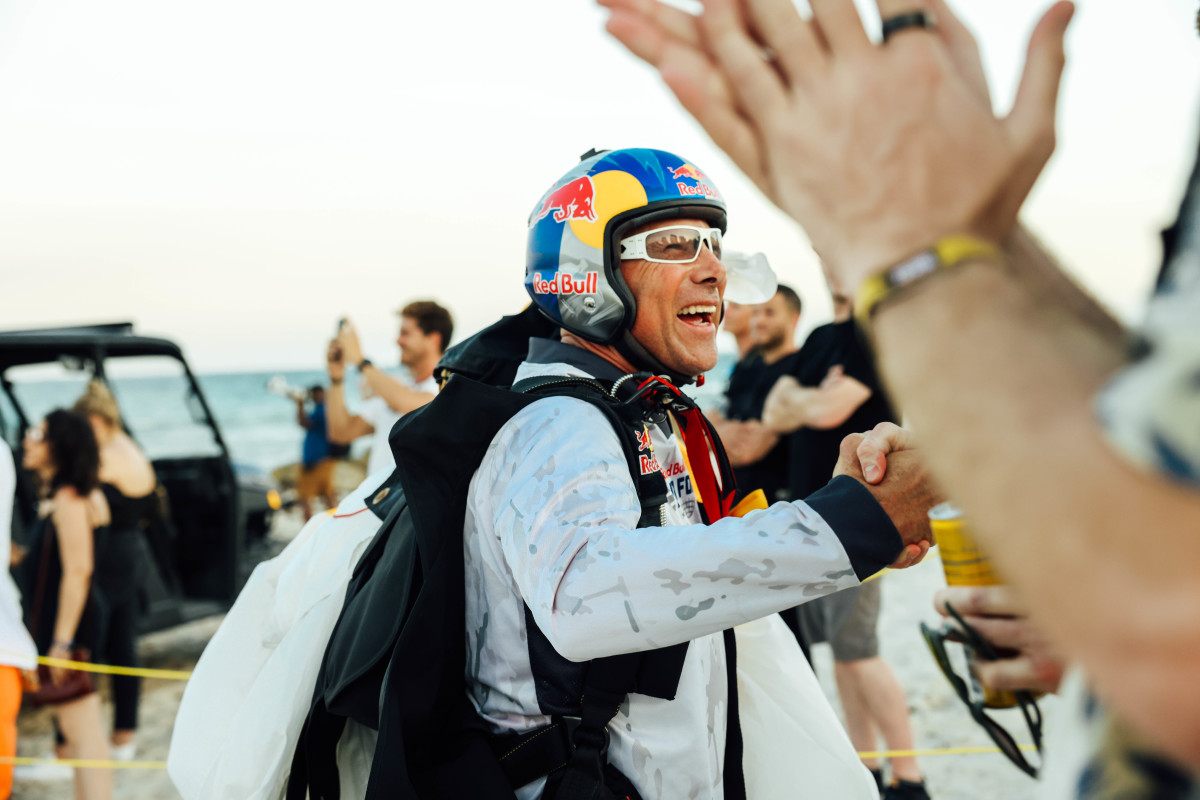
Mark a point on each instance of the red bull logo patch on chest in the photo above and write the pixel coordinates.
(573, 200)
(563, 284)
(649, 465)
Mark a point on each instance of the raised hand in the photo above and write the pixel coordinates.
(877, 150)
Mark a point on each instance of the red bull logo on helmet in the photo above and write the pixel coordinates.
(688, 171)
(563, 284)
(573, 200)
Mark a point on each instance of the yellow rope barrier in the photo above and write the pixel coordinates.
(105, 669)
(947, 751)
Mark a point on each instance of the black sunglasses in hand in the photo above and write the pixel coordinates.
(969, 637)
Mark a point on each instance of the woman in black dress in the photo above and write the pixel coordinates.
(128, 481)
(60, 610)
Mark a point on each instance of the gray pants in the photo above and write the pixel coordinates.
(847, 620)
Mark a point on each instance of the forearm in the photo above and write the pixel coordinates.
(1103, 554)
(337, 417)
(745, 442)
(1049, 284)
(399, 397)
(72, 596)
(819, 407)
(301, 417)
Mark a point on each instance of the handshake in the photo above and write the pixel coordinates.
(886, 461)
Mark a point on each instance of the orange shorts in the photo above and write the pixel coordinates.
(317, 481)
(10, 704)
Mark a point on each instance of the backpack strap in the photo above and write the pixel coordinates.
(628, 421)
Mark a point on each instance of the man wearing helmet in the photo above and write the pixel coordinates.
(624, 255)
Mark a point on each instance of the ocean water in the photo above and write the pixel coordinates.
(258, 426)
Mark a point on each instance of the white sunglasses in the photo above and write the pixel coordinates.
(677, 244)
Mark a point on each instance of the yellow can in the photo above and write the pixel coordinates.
(965, 565)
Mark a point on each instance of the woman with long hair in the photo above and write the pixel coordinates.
(60, 609)
(128, 481)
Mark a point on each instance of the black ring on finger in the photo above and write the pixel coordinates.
(911, 19)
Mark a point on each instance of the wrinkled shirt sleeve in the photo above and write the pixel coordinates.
(564, 509)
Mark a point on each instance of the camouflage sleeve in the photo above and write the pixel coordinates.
(1150, 409)
(564, 509)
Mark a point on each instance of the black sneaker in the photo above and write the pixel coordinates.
(906, 790)
(877, 774)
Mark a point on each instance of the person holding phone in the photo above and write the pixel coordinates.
(425, 331)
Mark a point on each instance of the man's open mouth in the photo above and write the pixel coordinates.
(699, 315)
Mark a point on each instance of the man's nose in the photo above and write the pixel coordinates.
(708, 267)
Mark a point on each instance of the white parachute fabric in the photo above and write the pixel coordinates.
(241, 713)
(749, 278)
(794, 746)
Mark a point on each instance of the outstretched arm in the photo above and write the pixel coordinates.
(400, 398)
(556, 493)
(341, 427)
(987, 360)
(301, 416)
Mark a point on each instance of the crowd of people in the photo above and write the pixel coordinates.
(632, 585)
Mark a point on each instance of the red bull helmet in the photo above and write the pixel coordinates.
(572, 268)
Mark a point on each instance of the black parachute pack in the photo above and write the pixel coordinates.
(396, 658)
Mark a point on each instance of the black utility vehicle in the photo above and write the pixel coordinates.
(212, 514)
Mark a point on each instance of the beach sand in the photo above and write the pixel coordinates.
(939, 718)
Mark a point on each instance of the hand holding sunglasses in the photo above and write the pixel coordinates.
(1026, 660)
(967, 686)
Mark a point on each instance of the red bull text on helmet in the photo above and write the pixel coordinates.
(561, 283)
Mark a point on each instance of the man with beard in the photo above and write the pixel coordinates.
(758, 458)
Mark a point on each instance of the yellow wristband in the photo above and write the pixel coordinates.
(945, 253)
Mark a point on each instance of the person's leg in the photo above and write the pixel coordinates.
(875, 693)
(306, 491)
(84, 730)
(881, 702)
(10, 704)
(859, 725)
(328, 493)
(122, 652)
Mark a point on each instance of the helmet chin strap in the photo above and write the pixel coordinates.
(641, 359)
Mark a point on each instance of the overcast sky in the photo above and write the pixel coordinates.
(237, 174)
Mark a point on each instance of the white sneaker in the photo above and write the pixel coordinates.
(44, 772)
(124, 752)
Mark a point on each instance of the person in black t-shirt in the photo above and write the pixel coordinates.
(831, 391)
(758, 456)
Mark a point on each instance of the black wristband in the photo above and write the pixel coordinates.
(335, 381)
(366, 362)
